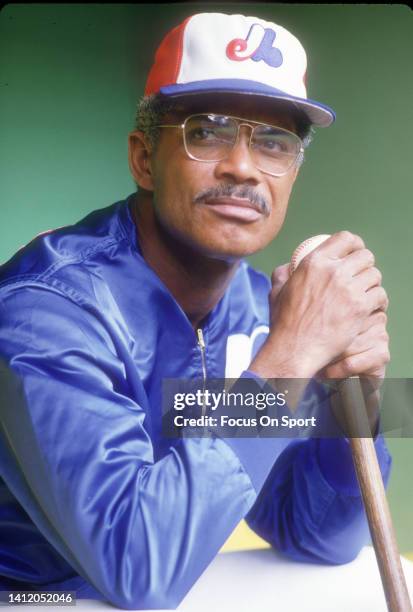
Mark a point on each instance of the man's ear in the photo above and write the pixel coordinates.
(139, 160)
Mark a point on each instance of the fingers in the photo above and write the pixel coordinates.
(377, 318)
(344, 254)
(367, 354)
(348, 251)
(371, 362)
(358, 261)
(376, 299)
(375, 336)
(371, 277)
(279, 277)
(340, 245)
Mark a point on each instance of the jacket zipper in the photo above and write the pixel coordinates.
(201, 344)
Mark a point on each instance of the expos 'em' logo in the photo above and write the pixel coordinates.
(256, 46)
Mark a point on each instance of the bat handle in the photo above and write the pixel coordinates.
(374, 496)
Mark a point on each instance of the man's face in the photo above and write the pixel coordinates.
(212, 224)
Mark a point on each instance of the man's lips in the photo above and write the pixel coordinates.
(235, 208)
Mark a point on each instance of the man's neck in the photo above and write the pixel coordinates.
(196, 281)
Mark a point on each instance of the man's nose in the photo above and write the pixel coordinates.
(238, 166)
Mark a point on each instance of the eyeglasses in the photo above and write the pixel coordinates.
(210, 138)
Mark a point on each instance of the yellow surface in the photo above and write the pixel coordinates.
(408, 555)
(243, 538)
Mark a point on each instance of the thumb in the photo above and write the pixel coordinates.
(279, 277)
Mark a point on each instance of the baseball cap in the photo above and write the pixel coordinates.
(212, 53)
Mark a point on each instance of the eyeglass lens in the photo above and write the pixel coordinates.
(211, 138)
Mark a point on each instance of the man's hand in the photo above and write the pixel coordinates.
(329, 314)
(368, 354)
(366, 357)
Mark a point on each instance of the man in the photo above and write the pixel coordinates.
(96, 316)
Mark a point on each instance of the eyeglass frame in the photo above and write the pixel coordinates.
(298, 158)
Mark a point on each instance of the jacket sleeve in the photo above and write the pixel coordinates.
(310, 507)
(76, 451)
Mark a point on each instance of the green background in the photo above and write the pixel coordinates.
(70, 76)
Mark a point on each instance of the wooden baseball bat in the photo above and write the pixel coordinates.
(368, 475)
(374, 496)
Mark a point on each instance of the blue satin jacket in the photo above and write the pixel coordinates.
(92, 497)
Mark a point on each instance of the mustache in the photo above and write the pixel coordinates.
(229, 190)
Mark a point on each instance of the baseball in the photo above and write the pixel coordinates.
(305, 248)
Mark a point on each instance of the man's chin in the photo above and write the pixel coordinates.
(233, 240)
(227, 242)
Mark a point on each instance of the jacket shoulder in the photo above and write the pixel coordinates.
(52, 250)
